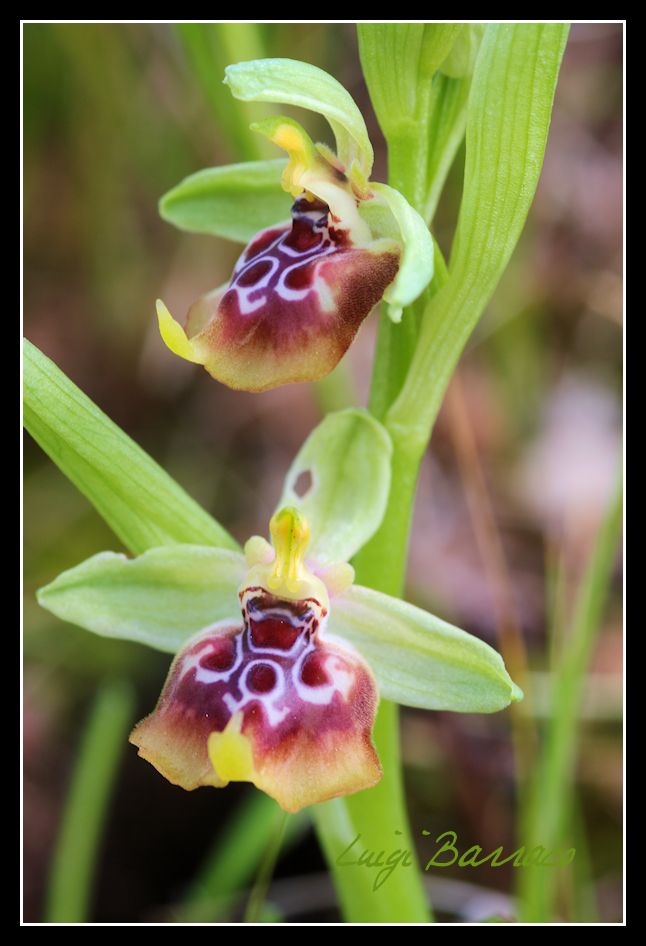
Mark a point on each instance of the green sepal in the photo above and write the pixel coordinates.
(389, 214)
(233, 202)
(160, 599)
(418, 659)
(289, 82)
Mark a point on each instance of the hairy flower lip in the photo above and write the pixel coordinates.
(272, 702)
(280, 321)
(294, 304)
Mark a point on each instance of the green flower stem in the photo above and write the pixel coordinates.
(517, 63)
(551, 794)
(235, 856)
(73, 866)
(508, 119)
(378, 816)
(408, 157)
(254, 910)
(396, 345)
(394, 350)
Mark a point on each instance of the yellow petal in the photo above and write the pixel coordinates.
(174, 335)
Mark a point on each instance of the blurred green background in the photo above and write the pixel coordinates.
(511, 492)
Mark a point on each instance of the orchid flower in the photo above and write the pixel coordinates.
(301, 289)
(281, 659)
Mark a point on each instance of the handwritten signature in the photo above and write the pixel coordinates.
(386, 862)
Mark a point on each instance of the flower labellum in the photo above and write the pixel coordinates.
(270, 701)
(299, 292)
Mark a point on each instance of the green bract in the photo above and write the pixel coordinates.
(460, 61)
(399, 61)
(347, 462)
(420, 110)
(515, 74)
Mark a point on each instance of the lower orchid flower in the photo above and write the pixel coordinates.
(302, 288)
(275, 698)
(280, 658)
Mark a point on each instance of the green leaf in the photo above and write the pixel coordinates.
(76, 856)
(159, 599)
(389, 214)
(460, 61)
(209, 47)
(234, 201)
(509, 113)
(418, 659)
(447, 122)
(141, 503)
(340, 481)
(289, 82)
(398, 62)
(549, 799)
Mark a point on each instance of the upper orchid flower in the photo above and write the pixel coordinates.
(301, 289)
(280, 657)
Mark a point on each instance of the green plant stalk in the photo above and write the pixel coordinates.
(509, 111)
(254, 910)
(379, 815)
(73, 866)
(533, 54)
(550, 798)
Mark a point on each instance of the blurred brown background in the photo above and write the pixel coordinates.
(114, 115)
